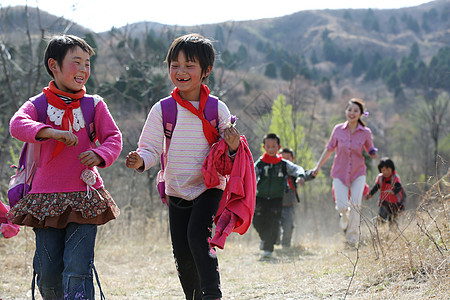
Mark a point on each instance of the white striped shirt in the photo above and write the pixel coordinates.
(187, 152)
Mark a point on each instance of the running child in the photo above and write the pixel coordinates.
(192, 206)
(67, 200)
(392, 194)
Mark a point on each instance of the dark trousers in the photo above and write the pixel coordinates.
(389, 211)
(266, 220)
(190, 230)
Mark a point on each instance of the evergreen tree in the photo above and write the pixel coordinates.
(415, 52)
(359, 64)
(370, 21)
(287, 72)
(407, 73)
(271, 70)
(347, 15)
(314, 59)
(392, 25)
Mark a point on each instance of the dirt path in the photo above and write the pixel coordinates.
(144, 269)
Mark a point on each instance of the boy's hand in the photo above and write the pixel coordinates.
(300, 180)
(232, 138)
(90, 159)
(367, 197)
(134, 160)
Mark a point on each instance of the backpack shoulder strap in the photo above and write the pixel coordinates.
(40, 103)
(87, 104)
(169, 115)
(211, 111)
(169, 119)
(32, 152)
(259, 164)
(284, 167)
(379, 180)
(396, 178)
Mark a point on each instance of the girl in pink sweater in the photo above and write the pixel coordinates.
(192, 206)
(67, 200)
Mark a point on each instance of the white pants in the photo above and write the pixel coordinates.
(351, 206)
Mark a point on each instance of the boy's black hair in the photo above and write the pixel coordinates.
(58, 47)
(271, 136)
(194, 47)
(386, 162)
(287, 150)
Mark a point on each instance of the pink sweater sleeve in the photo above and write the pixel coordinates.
(24, 125)
(108, 135)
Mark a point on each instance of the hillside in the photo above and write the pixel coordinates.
(308, 56)
(301, 33)
(390, 32)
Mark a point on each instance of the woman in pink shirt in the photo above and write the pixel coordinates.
(349, 139)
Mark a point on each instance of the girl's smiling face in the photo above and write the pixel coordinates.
(72, 75)
(187, 76)
(353, 113)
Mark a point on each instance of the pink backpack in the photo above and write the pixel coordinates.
(169, 118)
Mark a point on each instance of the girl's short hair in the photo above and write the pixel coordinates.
(360, 104)
(58, 47)
(387, 163)
(194, 47)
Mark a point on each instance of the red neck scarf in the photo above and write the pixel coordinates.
(209, 131)
(271, 159)
(52, 92)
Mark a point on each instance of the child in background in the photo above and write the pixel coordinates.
(192, 206)
(272, 172)
(67, 200)
(290, 198)
(392, 195)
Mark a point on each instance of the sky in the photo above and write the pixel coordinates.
(102, 15)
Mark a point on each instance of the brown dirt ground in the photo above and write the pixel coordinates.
(143, 268)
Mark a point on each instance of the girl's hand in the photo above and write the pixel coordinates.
(64, 136)
(315, 171)
(232, 138)
(90, 159)
(134, 160)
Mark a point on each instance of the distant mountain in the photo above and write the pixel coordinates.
(302, 35)
(16, 21)
(390, 32)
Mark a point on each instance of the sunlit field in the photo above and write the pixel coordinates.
(134, 260)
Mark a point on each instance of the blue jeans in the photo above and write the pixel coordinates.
(64, 260)
(190, 229)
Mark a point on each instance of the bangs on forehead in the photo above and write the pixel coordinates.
(188, 50)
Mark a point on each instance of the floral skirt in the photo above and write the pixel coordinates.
(58, 209)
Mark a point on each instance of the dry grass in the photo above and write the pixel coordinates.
(134, 261)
